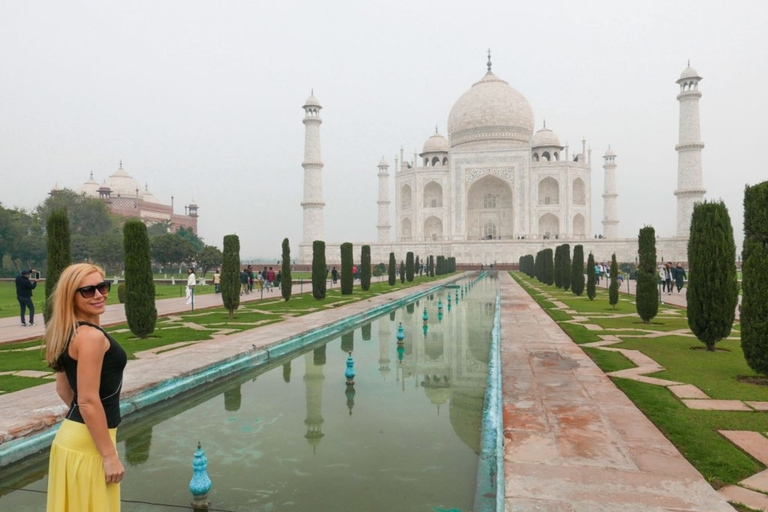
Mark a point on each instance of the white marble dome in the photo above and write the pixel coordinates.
(545, 137)
(490, 110)
(689, 72)
(436, 144)
(123, 185)
(90, 188)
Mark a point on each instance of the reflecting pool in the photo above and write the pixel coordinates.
(292, 436)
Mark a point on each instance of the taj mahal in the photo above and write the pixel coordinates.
(494, 190)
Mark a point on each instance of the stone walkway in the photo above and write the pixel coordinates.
(752, 491)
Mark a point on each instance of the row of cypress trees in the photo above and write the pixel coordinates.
(754, 279)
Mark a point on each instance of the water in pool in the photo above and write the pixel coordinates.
(293, 437)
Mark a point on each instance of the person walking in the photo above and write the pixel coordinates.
(244, 282)
(216, 282)
(24, 287)
(270, 278)
(84, 470)
(191, 282)
(680, 276)
(279, 280)
(334, 275)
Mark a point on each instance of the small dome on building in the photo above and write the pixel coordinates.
(491, 110)
(545, 137)
(148, 196)
(383, 162)
(122, 184)
(90, 188)
(312, 102)
(609, 152)
(436, 144)
(689, 72)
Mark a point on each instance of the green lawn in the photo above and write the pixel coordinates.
(717, 373)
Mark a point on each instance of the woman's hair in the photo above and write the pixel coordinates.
(62, 325)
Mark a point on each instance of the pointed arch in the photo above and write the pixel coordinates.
(407, 231)
(579, 226)
(433, 195)
(549, 191)
(490, 210)
(549, 225)
(433, 229)
(579, 192)
(405, 197)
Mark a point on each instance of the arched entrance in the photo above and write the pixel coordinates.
(549, 226)
(490, 212)
(433, 229)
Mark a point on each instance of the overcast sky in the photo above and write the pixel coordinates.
(202, 100)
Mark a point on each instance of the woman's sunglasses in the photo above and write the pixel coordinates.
(88, 292)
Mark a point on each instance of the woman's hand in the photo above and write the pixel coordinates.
(113, 469)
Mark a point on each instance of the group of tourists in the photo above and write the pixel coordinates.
(265, 279)
(671, 277)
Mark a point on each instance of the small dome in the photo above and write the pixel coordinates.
(90, 188)
(312, 102)
(491, 111)
(545, 137)
(436, 144)
(383, 162)
(689, 72)
(122, 184)
(609, 152)
(148, 196)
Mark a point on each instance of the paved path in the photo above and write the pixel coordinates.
(573, 442)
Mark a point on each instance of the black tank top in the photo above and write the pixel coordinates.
(112, 368)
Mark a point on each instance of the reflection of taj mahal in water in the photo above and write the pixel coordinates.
(494, 190)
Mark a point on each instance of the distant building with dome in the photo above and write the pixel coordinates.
(124, 196)
(494, 190)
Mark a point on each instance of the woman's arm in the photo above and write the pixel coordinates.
(89, 347)
(63, 388)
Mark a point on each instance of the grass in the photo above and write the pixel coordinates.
(173, 329)
(694, 433)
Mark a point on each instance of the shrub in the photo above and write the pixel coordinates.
(59, 254)
(287, 279)
(140, 309)
(577, 270)
(402, 272)
(712, 292)
(647, 294)
(121, 293)
(347, 278)
(754, 304)
(391, 270)
(565, 272)
(591, 277)
(230, 274)
(558, 266)
(613, 289)
(417, 266)
(377, 272)
(365, 268)
(319, 269)
(409, 266)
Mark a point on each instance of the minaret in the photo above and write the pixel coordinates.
(383, 202)
(610, 212)
(313, 180)
(314, 376)
(690, 187)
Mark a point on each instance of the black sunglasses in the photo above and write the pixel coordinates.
(89, 291)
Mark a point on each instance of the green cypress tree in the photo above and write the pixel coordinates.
(416, 266)
(646, 294)
(565, 272)
(230, 274)
(591, 277)
(549, 268)
(409, 266)
(754, 304)
(319, 269)
(392, 277)
(365, 268)
(59, 254)
(712, 292)
(402, 272)
(287, 279)
(347, 278)
(432, 265)
(577, 270)
(140, 309)
(558, 266)
(613, 289)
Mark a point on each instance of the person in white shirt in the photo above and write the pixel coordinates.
(191, 282)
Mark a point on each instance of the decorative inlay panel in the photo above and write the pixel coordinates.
(471, 174)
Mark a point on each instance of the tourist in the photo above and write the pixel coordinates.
(597, 274)
(270, 279)
(191, 282)
(334, 275)
(84, 470)
(279, 279)
(216, 282)
(244, 282)
(24, 287)
(668, 277)
(679, 275)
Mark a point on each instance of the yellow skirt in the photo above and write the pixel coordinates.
(76, 479)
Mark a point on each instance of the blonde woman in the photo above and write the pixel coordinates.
(84, 471)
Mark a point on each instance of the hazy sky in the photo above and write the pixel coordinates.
(203, 99)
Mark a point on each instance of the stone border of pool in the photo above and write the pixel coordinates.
(24, 446)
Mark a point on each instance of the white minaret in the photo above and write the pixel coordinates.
(610, 210)
(690, 187)
(383, 202)
(313, 180)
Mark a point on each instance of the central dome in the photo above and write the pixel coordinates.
(491, 113)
